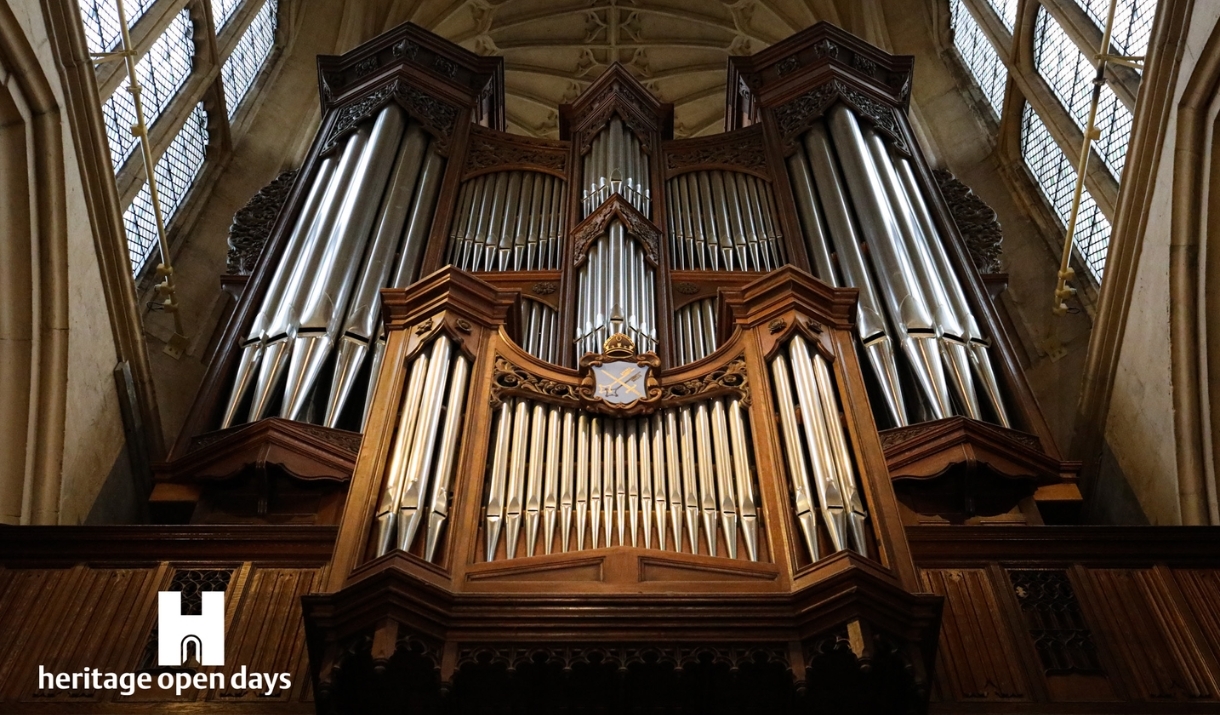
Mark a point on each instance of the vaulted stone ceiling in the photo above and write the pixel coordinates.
(553, 49)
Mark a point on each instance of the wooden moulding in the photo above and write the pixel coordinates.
(101, 546)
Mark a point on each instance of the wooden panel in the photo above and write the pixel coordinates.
(977, 658)
(1132, 611)
(268, 635)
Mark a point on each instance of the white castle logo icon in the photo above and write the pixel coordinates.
(176, 632)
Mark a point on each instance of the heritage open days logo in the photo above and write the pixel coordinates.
(182, 641)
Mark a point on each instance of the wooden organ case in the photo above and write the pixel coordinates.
(617, 422)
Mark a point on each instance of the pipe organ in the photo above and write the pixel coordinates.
(541, 385)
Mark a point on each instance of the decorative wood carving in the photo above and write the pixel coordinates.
(491, 151)
(252, 224)
(795, 117)
(731, 378)
(509, 379)
(436, 115)
(742, 150)
(595, 226)
(976, 221)
(1056, 625)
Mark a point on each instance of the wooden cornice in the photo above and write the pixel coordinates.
(928, 449)
(303, 450)
(787, 289)
(616, 91)
(64, 546)
(1124, 547)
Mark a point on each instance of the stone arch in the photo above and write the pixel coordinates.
(1194, 289)
(33, 284)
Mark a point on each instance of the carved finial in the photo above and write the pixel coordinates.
(618, 346)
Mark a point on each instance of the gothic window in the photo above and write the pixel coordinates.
(979, 56)
(101, 21)
(176, 173)
(172, 75)
(1070, 74)
(243, 65)
(222, 12)
(1007, 10)
(1056, 177)
(161, 72)
(1132, 22)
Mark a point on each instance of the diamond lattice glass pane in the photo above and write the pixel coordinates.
(978, 55)
(161, 73)
(1056, 177)
(222, 12)
(1007, 10)
(176, 172)
(1070, 74)
(1132, 22)
(101, 21)
(242, 66)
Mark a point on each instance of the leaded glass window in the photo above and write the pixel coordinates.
(242, 66)
(176, 172)
(1132, 22)
(1007, 10)
(161, 73)
(101, 21)
(1070, 74)
(978, 55)
(1056, 177)
(222, 12)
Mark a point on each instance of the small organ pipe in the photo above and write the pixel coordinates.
(659, 493)
(584, 463)
(798, 468)
(726, 500)
(387, 508)
(515, 491)
(673, 460)
(825, 472)
(565, 482)
(854, 506)
(438, 499)
(741, 477)
(414, 481)
(644, 434)
(595, 479)
(535, 476)
(498, 477)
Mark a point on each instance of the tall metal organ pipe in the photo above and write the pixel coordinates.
(871, 325)
(927, 278)
(361, 228)
(252, 346)
(897, 281)
(616, 293)
(977, 343)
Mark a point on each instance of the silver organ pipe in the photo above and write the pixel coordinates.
(319, 314)
(251, 348)
(424, 450)
(508, 221)
(816, 450)
(539, 330)
(362, 228)
(871, 327)
(978, 345)
(695, 330)
(616, 293)
(615, 479)
(722, 221)
(948, 328)
(616, 164)
(898, 284)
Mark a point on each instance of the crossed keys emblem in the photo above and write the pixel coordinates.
(620, 382)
